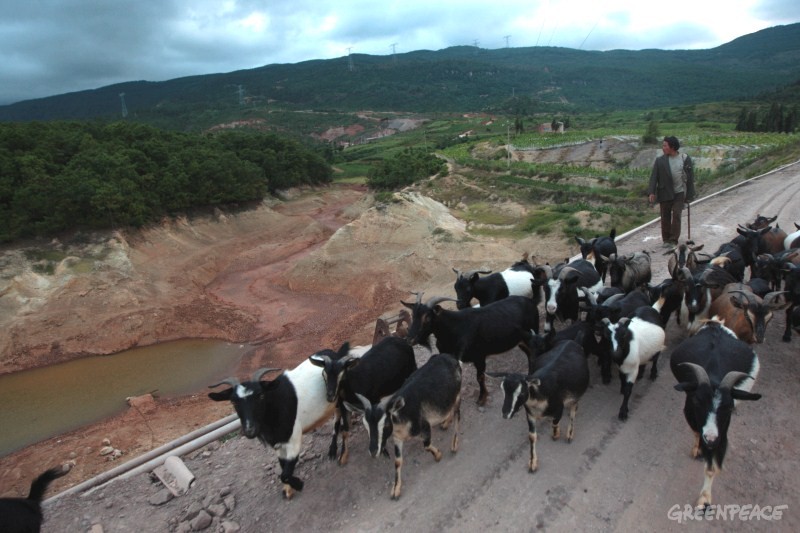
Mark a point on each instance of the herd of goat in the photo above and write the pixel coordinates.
(621, 323)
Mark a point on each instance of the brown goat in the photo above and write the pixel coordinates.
(745, 313)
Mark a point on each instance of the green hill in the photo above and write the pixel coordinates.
(457, 79)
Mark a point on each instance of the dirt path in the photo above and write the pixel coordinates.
(613, 477)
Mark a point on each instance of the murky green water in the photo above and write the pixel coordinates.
(40, 403)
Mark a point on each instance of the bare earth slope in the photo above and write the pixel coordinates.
(613, 476)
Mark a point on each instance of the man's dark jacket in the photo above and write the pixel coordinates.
(661, 179)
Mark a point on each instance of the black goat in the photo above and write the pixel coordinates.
(630, 271)
(713, 368)
(279, 412)
(791, 284)
(474, 333)
(376, 374)
(597, 250)
(430, 396)
(24, 515)
(562, 290)
(559, 379)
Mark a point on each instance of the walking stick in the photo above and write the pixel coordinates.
(689, 221)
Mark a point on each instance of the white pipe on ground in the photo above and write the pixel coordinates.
(229, 423)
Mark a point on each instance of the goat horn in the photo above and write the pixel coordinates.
(773, 298)
(364, 401)
(700, 374)
(747, 295)
(261, 371)
(457, 271)
(566, 270)
(731, 379)
(470, 273)
(437, 299)
(233, 382)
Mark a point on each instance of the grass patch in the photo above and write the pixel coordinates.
(483, 213)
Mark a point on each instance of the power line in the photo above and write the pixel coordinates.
(588, 34)
(124, 107)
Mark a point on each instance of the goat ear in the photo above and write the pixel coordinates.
(396, 405)
(737, 394)
(353, 408)
(686, 386)
(317, 360)
(344, 349)
(221, 396)
(534, 383)
(737, 302)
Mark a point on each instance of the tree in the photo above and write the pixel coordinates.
(652, 134)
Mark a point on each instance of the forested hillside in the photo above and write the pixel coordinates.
(62, 175)
(463, 78)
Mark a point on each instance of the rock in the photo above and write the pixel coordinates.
(145, 404)
(201, 521)
(230, 502)
(106, 450)
(193, 510)
(161, 497)
(96, 528)
(229, 526)
(106, 442)
(217, 509)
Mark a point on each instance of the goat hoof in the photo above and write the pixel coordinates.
(623, 416)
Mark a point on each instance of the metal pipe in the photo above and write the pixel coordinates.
(163, 450)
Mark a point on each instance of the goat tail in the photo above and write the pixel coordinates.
(40, 484)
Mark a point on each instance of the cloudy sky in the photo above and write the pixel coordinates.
(51, 47)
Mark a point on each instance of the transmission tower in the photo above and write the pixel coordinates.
(506, 37)
(349, 59)
(124, 107)
(394, 57)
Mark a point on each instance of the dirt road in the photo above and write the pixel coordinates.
(614, 476)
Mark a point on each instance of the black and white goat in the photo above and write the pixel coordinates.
(612, 309)
(430, 396)
(474, 333)
(635, 342)
(515, 280)
(562, 298)
(376, 374)
(558, 380)
(792, 240)
(279, 412)
(23, 515)
(597, 250)
(714, 369)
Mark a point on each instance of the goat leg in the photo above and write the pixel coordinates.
(623, 410)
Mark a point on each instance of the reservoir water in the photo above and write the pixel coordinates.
(41, 403)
